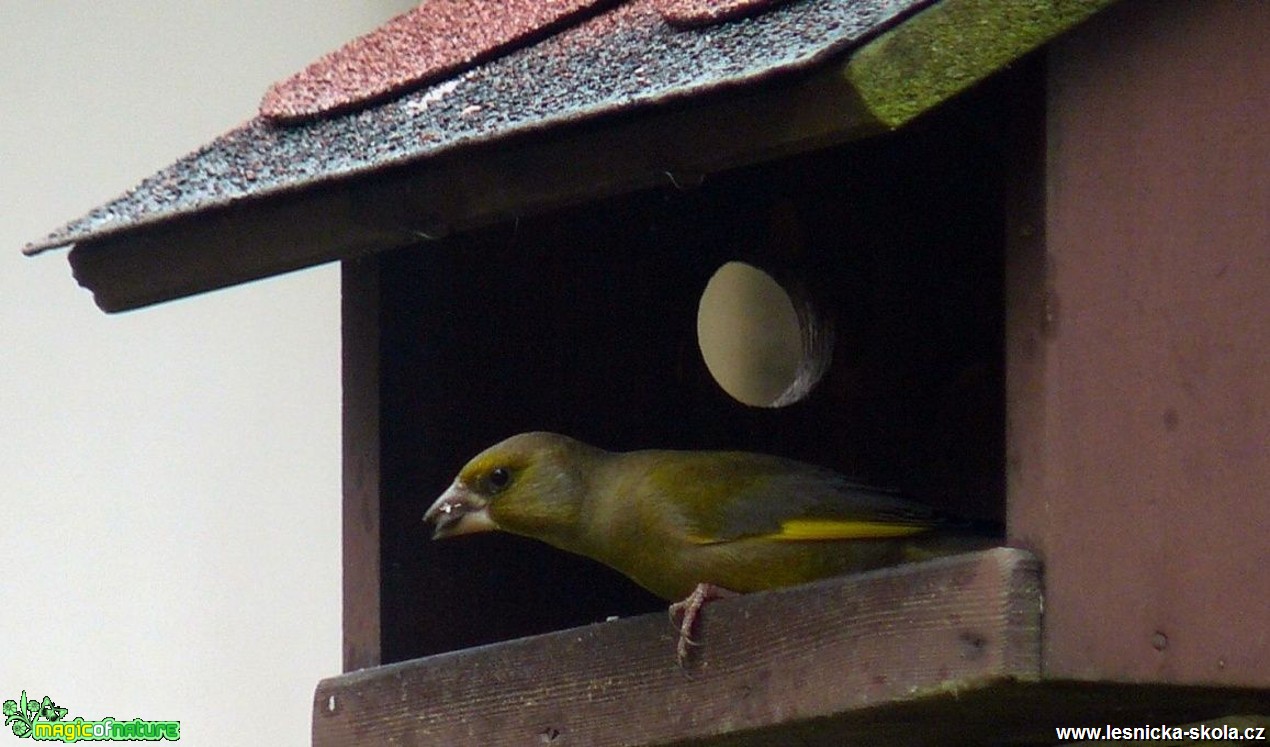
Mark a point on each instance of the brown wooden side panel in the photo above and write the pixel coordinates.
(1139, 459)
(360, 308)
(780, 659)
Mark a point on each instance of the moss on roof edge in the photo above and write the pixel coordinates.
(948, 47)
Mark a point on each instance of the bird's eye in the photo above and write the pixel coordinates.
(499, 477)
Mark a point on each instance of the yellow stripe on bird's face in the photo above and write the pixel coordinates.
(828, 529)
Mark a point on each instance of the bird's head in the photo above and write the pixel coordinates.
(533, 484)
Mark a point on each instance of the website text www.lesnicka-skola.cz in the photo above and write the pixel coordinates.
(1199, 732)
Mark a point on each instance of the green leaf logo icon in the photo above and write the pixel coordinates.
(21, 716)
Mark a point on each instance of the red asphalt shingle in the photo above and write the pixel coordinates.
(706, 12)
(431, 42)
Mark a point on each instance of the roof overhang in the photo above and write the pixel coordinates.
(266, 199)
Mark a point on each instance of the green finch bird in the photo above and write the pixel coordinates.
(692, 525)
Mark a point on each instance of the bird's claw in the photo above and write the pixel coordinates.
(688, 609)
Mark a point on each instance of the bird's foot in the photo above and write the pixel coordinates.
(687, 611)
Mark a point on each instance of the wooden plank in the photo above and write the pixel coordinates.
(789, 657)
(1012, 712)
(1138, 367)
(360, 373)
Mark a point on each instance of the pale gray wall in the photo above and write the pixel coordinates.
(169, 478)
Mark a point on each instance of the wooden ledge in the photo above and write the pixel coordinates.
(784, 662)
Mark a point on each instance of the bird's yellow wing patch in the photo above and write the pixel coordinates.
(807, 530)
(837, 529)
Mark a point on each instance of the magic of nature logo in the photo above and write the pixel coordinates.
(46, 721)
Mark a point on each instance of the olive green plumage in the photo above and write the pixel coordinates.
(672, 519)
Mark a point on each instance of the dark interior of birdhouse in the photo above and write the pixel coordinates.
(584, 321)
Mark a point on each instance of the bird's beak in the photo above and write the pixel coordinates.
(457, 512)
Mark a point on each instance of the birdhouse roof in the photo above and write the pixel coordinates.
(531, 103)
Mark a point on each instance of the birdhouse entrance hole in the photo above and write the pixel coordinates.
(765, 346)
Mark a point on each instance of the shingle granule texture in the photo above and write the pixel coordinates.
(704, 12)
(431, 42)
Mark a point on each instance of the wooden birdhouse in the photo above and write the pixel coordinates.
(1009, 257)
